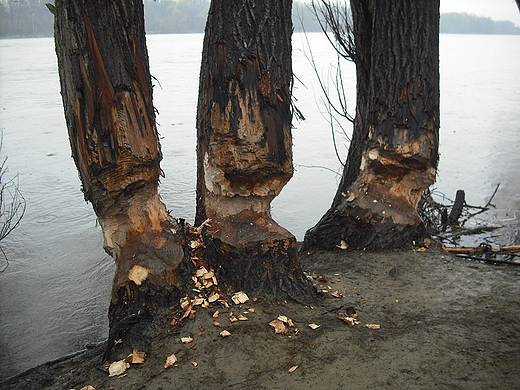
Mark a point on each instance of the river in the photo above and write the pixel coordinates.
(54, 295)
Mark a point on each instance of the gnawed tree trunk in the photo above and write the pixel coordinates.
(107, 96)
(394, 150)
(244, 145)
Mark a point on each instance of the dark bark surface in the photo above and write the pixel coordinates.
(107, 97)
(244, 147)
(393, 155)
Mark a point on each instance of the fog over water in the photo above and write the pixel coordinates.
(54, 295)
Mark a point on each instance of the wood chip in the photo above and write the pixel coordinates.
(279, 326)
(224, 303)
(314, 326)
(200, 272)
(232, 318)
(136, 357)
(342, 245)
(351, 196)
(213, 297)
(225, 333)
(240, 297)
(195, 244)
(118, 368)
(88, 387)
(337, 294)
(286, 320)
(187, 313)
(170, 360)
(138, 274)
(293, 368)
(351, 320)
(195, 364)
(215, 315)
(185, 303)
(373, 326)
(186, 340)
(217, 324)
(243, 318)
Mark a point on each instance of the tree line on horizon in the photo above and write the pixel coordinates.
(31, 18)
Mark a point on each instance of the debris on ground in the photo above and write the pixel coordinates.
(171, 359)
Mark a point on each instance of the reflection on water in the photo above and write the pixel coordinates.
(54, 295)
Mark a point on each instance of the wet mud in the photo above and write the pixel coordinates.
(445, 323)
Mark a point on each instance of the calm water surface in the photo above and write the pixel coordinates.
(54, 295)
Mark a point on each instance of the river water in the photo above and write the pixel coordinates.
(54, 295)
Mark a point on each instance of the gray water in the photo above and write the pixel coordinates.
(54, 295)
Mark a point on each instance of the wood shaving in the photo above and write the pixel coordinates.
(136, 357)
(373, 326)
(240, 297)
(118, 368)
(170, 360)
(279, 326)
(213, 297)
(342, 245)
(293, 368)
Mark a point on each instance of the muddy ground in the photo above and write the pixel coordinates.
(445, 323)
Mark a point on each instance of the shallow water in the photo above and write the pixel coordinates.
(54, 295)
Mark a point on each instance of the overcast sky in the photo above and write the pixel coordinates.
(494, 9)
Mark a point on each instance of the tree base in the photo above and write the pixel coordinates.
(367, 223)
(252, 253)
(152, 275)
(139, 314)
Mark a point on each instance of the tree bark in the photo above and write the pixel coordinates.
(244, 149)
(107, 97)
(393, 154)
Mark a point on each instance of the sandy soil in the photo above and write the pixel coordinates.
(446, 323)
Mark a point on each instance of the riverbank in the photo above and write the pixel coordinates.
(445, 323)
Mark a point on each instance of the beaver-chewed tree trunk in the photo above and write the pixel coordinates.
(107, 97)
(394, 150)
(244, 147)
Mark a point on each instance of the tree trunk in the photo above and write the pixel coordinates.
(244, 148)
(107, 97)
(393, 154)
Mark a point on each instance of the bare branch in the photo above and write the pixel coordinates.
(12, 204)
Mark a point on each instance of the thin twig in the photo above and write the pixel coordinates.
(318, 166)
